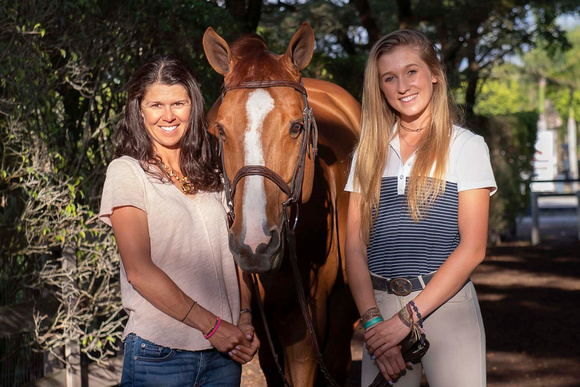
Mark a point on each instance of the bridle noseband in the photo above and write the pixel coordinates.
(308, 146)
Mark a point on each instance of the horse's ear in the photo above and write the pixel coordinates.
(301, 47)
(217, 51)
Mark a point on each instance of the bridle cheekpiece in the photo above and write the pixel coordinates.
(308, 146)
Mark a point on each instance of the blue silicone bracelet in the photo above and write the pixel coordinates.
(372, 322)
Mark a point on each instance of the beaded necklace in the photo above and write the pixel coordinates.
(186, 186)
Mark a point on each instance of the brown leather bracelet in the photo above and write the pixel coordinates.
(369, 314)
(404, 320)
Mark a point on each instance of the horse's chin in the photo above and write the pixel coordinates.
(257, 262)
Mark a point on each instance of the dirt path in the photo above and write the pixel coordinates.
(530, 298)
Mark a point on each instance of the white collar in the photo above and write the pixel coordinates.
(395, 145)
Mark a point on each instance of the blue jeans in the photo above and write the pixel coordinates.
(148, 364)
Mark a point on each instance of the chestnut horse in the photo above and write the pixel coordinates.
(268, 150)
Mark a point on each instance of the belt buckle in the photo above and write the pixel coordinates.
(400, 286)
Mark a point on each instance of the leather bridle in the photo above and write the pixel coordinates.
(293, 191)
(308, 147)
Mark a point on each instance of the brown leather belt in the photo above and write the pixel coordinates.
(400, 286)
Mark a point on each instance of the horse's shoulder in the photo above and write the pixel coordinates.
(318, 88)
(333, 105)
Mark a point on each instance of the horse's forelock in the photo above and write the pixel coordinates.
(253, 62)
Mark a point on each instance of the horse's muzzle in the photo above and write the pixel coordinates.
(267, 257)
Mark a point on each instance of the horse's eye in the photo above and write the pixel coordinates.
(295, 129)
(221, 131)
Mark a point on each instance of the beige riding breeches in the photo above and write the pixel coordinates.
(456, 357)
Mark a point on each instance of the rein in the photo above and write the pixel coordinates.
(308, 146)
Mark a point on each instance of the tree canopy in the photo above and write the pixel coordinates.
(473, 35)
(64, 66)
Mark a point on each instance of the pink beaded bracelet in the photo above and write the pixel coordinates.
(214, 329)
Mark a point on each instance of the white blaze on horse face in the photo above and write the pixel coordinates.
(258, 106)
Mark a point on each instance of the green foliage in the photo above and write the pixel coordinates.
(511, 142)
(564, 89)
(561, 69)
(506, 91)
(64, 66)
(473, 35)
(331, 60)
(560, 97)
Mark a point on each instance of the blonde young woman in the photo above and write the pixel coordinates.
(417, 221)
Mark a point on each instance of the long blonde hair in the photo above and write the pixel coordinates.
(378, 119)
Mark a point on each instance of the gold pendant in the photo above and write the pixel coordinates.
(187, 188)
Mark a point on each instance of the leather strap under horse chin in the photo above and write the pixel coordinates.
(293, 191)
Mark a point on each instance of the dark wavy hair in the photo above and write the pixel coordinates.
(198, 157)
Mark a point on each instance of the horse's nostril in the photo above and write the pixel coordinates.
(272, 245)
(262, 248)
(245, 251)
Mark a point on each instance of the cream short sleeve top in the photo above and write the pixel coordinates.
(188, 241)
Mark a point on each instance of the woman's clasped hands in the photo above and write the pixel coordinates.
(382, 342)
(240, 342)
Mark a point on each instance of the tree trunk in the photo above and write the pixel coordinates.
(542, 120)
(72, 349)
(344, 41)
(472, 72)
(253, 15)
(237, 8)
(247, 16)
(572, 152)
(367, 20)
(405, 13)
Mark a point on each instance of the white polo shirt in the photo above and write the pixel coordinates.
(399, 246)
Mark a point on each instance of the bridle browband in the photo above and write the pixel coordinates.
(308, 146)
(293, 191)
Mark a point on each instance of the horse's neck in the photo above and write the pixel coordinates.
(337, 115)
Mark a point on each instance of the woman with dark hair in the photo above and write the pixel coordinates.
(189, 318)
(417, 220)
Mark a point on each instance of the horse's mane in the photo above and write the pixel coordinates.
(253, 62)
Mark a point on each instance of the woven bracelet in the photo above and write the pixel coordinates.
(409, 310)
(405, 319)
(369, 314)
(412, 303)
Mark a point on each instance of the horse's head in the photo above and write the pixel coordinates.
(266, 141)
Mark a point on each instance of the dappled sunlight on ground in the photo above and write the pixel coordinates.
(522, 369)
(529, 299)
